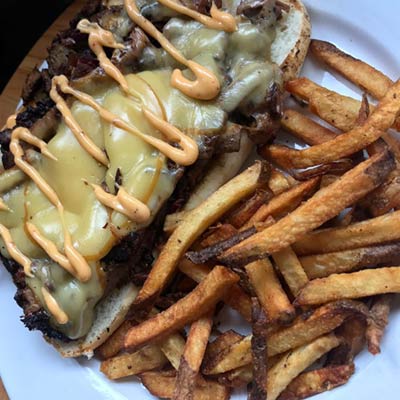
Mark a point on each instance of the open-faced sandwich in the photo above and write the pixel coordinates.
(137, 101)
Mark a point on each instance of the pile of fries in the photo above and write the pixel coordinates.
(303, 245)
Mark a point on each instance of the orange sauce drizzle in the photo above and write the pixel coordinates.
(59, 314)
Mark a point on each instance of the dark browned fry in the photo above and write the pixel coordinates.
(284, 202)
(269, 291)
(350, 286)
(258, 390)
(223, 341)
(322, 265)
(305, 128)
(206, 294)
(317, 381)
(361, 234)
(323, 206)
(337, 167)
(359, 72)
(241, 215)
(377, 321)
(209, 253)
(192, 357)
(236, 298)
(218, 234)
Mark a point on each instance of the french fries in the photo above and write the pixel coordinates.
(236, 298)
(292, 270)
(305, 128)
(188, 309)
(310, 383)
(162, 384)
(322, 265)
(268, 289)
(283, 203)
(295, 362)
(315, 298)
(194, 225)
(350, 286)
(304, 330)
(192, 357)
(324, 205)
(377, 321)
(360, 73)
(373, 231)
(145, 359)
(258, 390)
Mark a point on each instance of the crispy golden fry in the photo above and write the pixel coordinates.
(146, 359)
(246, 210)
(373, 231)
(290, 267)
(305, 128)
(269, 291)
(293, 363)
(115, 343)
(322, 321)
(278, 182)
(346, 144)
(350, 286)
(194, 225)
(322, 265)
(356, 71)
(310, 383)
(236, 378)
(379, 318)
(192, 357)
(218, 233)
(207, 293)
(260, 325)
(323, 206)
(162, 384)
(284, 202)
(236, 298)
(223, 341)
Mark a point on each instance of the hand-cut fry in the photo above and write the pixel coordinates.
(381, 119)
(243, 213)
(223, 341)
(236, 298)
(284, 202)
(258, 390)
(162, 384)
(172, 347)
(322, 265)
(146, 359)
(188, 309)
(269, 291)
(350, 286)
(218, 234)
(336, 167)
(310, 383)
(278, 182)
(305, 128)
(377, 321)
(192, 357)
(194, 225)
(356, 71)
(323, 206)
(115, 343)
(373, 231)
(236, 378)
(290, 267)
(322, 321)
(293, 363)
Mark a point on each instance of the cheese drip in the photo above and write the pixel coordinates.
(77, 264)
(205, 86)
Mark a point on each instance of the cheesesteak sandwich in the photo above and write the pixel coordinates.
(136, 99)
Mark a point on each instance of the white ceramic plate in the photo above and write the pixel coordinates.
(32, 369)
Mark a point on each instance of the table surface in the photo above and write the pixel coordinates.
(11, 94)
